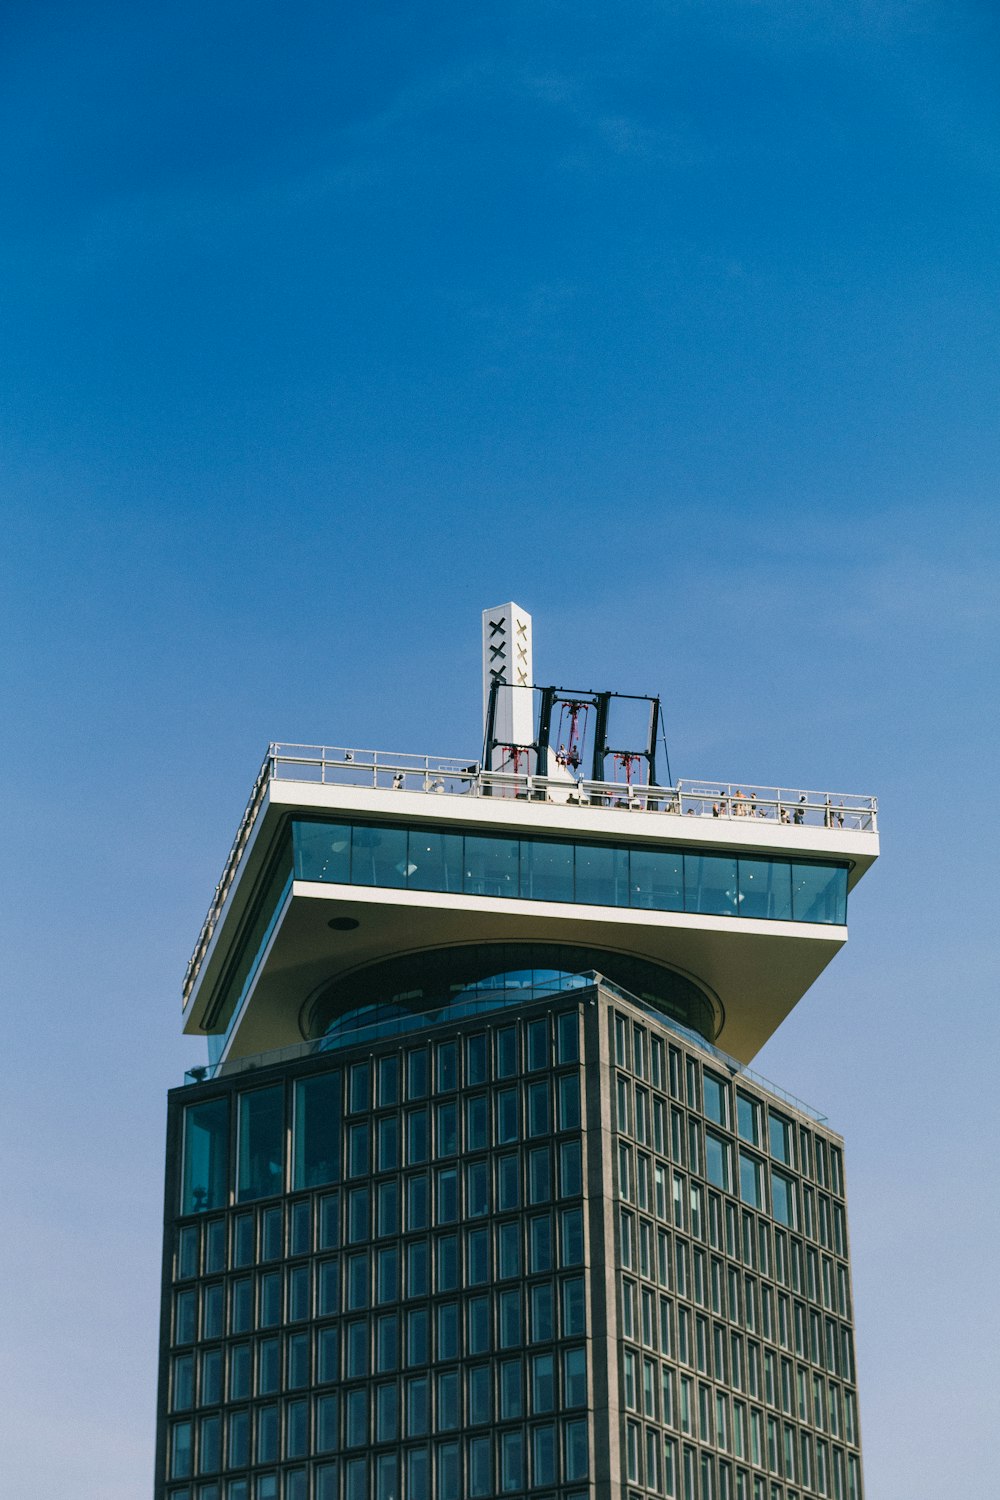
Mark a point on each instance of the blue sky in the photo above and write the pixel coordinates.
(678, 323)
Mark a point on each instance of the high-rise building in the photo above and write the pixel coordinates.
(476, 1194)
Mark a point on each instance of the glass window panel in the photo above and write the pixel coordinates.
(710, 884)
(506, 1116)
(506, 1051)
(569, 1101)
(477, 1257)
(511, 1395)
(717, 1168)
(296, 1430)
(210, 1385)
(185, 1317)
(476, 1123)
(765, 889)
(447, 1487)
(491, 866)
(239, 1372)
(379, 856)
(209, 1444)
(571, 1237)
(416, 1136)
(508, 1250)
(539, 1175)
(206, 1156)
(574, 1392)
(447, 1066)
(261, 1143)
(570, 1169)
(358, 1148)
(602, 878)
(783, 1199)
(748, 1119)
(574, 1310)
(477, 1325)
(539, 1122)
(359, 1088)
(434, 861)
(298, 1361)
(387, 1414)
(508, 1182)
(388, 1143)
(509, 1308)
(180, 1450)
(575, 1456)
(511, 1461)
(387, 1343)
(819, 893)
(541, 1313)
(569, 1037)
(416, 1073)
(322, 851)
(476, 1058)
(780, 1138)
(750, 1180)
(656, 879)
(479, 1391)
(480, 1467)
(543, 1391)
(268, 1367)
(182, 1383)
(447, 1195)
(446, 1129)
(546, 870)
(716, 1094)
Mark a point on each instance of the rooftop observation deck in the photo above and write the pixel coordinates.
(788, 809)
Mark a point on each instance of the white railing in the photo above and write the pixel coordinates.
(331, 765)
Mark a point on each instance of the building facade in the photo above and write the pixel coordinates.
(476, 1195)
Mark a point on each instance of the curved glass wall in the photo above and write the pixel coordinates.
(423, 989)
(657, 878)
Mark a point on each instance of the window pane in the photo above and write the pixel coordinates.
(601, 879)
(434, 861)
(317, 1130)
(491, 866)
(378, 856)
(546, 870)
(656, 879)
(261, 1143)
(206, 1156)
(717, 1160)
(716, 1099)
(750, 1184)
(322, 852)
(766, 889)
(819, 893)
(710, 884)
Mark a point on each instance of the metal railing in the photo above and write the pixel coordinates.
(331, 765)
(366, 1030)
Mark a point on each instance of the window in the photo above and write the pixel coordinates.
(784, 1202)
(574, 1386)
(751, 1184)
(748, 1118)
(718, 1162)
(206, 1156)
(716, 1093)
(575, 1453)
(780, 1138)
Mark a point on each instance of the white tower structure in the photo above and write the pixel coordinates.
(507, 661)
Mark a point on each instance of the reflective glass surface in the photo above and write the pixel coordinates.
(653, 877)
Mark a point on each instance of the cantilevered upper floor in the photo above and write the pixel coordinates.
(364, 885)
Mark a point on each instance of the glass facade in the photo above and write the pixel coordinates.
(549, 869)
(736, 1368)
(391, 1274)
